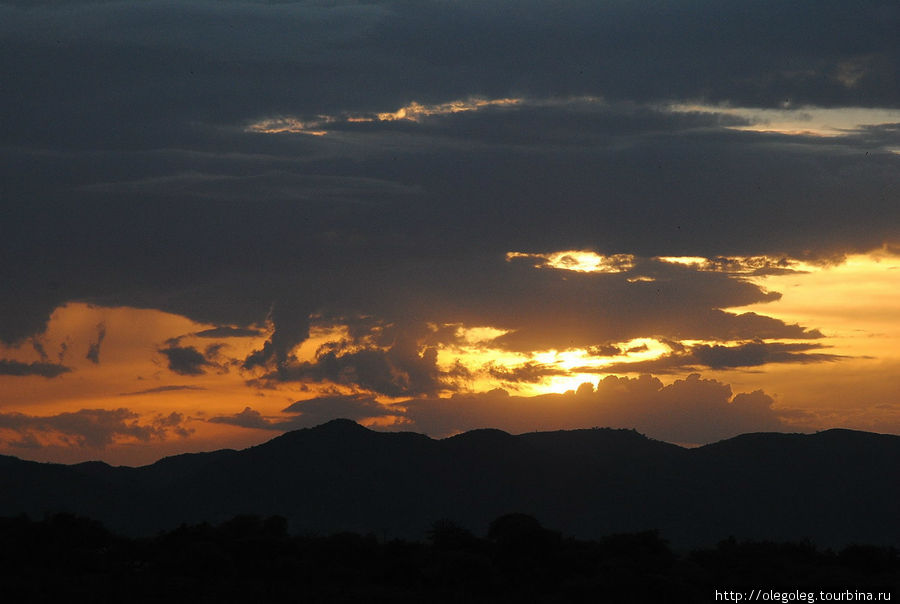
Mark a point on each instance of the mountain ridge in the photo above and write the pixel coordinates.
(834, 487)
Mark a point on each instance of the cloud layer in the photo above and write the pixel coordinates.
(89, 428)
(404, 169)
(17, 368)
(156, 99)
(690, 410)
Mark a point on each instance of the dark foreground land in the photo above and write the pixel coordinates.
(834, 488)
(68, 558)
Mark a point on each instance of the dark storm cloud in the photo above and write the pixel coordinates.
(733, 49)
(879, 136)
(185, 360)
(758, 353)
(530, 122)
(746, 354)
(95, 428)
(529, 373)
(541, 308)
(17, 368)
(141, 72)
(128, 176)
(397, 371)
(273, 185)
(138, 73)
(559, 309)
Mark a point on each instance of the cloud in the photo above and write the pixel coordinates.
(311, 412)
(692, 410)
(185, 360)
(248, 418)
(758, 353)
(161, 389)
(321, 409)
(39, 348)
(490, 50)
(93, 354)
(745, 354)
(229, 332)
(131, 174)
(524, 121)
(91, 428)
(399, 370)
(529, 373)
(410, 221)
(290, 318)
(17, 368)
(454, 245)
(272, 185)
(689, 411)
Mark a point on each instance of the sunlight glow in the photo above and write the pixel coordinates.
(554, 370)
(739, 265)
(584, 261)
(637, 349)
(559, 384)
(413, 112)
(479, 335)
(588, 261)
(279, 125)
(804, 120)
(685, 260)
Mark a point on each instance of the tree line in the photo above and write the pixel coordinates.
(64, 557)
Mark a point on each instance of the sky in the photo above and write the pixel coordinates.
(220, 221)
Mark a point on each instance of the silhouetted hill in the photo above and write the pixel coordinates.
(834, 487)
(604, 445)
(843, 481)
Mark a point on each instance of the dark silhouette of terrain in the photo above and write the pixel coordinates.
(836, 487)
(67, 558)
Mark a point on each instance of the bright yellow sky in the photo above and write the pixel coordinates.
(856, 304)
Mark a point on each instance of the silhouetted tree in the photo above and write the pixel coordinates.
(447, 534)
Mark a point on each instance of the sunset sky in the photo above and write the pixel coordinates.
(221, 220)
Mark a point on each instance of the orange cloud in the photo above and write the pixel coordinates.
(89, 428)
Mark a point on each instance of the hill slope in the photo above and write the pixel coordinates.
(834, 487)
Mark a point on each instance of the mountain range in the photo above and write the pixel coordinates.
(834, 487)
